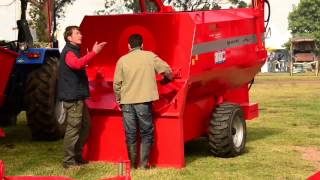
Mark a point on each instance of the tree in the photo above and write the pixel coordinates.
(238, 3)
(39, 15)
(184, 5)
(119, 7)
(304, 20)
(191, 5)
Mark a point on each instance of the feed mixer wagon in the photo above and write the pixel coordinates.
(7, 58)
(214, 55)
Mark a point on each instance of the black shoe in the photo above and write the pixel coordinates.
(82, 162)
(144, 155)
(132, 154)
(68, 165)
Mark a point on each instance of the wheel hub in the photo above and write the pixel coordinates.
(237, 132)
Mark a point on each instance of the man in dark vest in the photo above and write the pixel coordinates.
(73, 89)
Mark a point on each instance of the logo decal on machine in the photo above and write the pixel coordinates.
(219, 57)
(220, 44)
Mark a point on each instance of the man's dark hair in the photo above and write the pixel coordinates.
(68, 32)
(135, 40)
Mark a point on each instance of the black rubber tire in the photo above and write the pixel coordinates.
(40, 101)
(222, 131)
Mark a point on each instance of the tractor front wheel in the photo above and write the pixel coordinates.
(227, 131)
(40, 101)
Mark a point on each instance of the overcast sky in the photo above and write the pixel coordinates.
(279, 22)
(8, 15)
(75, 13)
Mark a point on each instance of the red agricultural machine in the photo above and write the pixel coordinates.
(7, 59)
(214, 54)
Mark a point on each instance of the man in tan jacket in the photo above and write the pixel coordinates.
(135, 88)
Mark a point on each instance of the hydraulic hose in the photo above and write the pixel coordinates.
(269, 13)
(251, 83)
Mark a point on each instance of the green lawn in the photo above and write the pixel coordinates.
(288, 126)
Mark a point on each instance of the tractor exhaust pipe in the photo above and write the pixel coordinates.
(25, 39)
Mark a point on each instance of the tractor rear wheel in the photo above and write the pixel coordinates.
(227, 131)
(40, 101)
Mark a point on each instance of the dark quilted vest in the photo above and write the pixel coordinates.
(72, 84)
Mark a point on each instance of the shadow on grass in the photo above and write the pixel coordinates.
(196, 149)
(258, 133)
(16, 134)
(199, 148)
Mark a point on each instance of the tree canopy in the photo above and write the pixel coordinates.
(39, 15)
(111, 7)
(304, 20)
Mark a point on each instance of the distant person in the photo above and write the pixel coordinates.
(280, 56)
(135, 88)
(73, 89)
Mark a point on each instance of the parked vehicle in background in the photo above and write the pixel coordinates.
(303, 56)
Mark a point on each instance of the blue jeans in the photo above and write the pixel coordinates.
(138, 114)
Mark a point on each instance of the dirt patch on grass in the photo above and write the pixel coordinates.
(310, 154)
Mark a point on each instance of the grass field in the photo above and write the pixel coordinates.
(283, 143)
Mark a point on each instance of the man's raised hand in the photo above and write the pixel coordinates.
(98, 47)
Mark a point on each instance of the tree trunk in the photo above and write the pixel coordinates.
(42, 20)
(44, 34)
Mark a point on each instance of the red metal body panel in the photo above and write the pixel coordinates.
(2, 134)
(117, 178)
(315, 176)
(7, 59)
(214, 54)
(107, 140)
(1, 169)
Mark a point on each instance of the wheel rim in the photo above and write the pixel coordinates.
(237, 131)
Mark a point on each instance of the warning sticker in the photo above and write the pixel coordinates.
(219, 57)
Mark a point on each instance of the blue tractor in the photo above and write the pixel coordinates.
(32, 84)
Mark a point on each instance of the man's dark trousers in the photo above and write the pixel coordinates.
(138, 114)
(77, 130)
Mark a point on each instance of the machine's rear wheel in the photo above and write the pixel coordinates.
(227, 131)
(40, 101)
